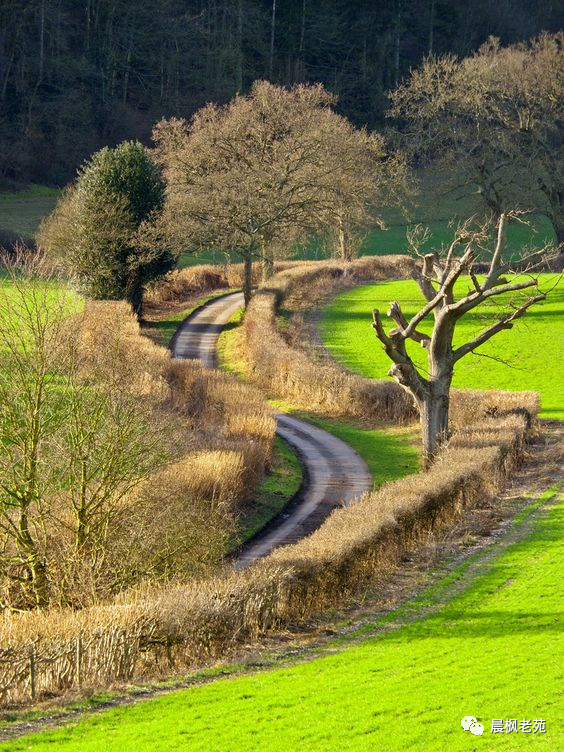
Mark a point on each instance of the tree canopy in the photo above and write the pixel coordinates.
(99, 229)
(495, 119)
(267, 169)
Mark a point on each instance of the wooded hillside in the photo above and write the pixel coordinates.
(77, 75)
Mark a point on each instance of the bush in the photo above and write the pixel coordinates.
(101, 230)
(155, 631)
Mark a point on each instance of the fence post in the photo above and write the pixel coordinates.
(79, 660)
(32, 672)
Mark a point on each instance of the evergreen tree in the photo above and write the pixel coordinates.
(100, 231)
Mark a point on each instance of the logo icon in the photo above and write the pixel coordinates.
(470, 723)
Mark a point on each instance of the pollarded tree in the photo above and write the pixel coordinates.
(494, 119)
(437, 279)
(265, 169)
(98, 230)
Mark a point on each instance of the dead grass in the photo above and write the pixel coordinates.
(287, 370)
(289, 364)
(182, 284)
(157, 631)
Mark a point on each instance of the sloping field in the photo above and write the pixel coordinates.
(21, 212)
(532, 351)
(483, 642)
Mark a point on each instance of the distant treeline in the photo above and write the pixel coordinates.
(79, 74)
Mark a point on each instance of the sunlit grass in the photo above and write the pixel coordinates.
(484, 642)
(390, 452)
(532, 350)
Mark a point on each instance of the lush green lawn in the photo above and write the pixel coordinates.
(22, 212)
(394, 238)
(486, 641)
(533, 348)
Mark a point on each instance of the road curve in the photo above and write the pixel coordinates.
(334, 472)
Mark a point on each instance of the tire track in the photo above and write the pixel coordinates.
(334, 472)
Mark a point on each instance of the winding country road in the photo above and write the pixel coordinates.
(334, 473)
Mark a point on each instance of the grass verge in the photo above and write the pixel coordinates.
(390, 453)
(22, 212)
(482, 642)
(531, 351)
(278, 487)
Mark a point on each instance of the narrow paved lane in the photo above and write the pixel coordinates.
(335, 474)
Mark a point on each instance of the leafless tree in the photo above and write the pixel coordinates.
(268, 168)
(437, 279)
(71, 450)
(494, 120)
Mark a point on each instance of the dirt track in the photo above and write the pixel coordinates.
(334, 473)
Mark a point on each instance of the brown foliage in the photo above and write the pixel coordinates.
(495, 119)
(152, 632)
(290, 373)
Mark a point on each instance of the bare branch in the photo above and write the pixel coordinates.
(395, 313)
(475, 298)
(499, 248)
(505, 323)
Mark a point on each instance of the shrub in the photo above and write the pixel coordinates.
(155, 631)
(100, 230)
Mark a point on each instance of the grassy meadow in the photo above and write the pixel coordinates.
(440, 213)
(532, 351)
(393, 239)
(482, 641)
(22, 212)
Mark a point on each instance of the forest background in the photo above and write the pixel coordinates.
(76, 75)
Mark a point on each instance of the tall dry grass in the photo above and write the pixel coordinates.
(153, 630)
(182, 284)
(279, 361)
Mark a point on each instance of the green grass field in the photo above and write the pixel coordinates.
(533, 349)
(22, 212)
(484, 641)
(394, 240)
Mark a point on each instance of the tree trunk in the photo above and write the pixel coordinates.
(40, 583)
(248, 280)
(341, 239)
(267, 265)
(272, 37)
(134, 296)
(433, 410)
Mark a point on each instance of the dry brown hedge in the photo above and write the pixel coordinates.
(155, 632)
(182, 284)
(290, 372)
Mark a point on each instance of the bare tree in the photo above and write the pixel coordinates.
(494, 120)
(266, 169)
(437, 278)
(71, 449)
